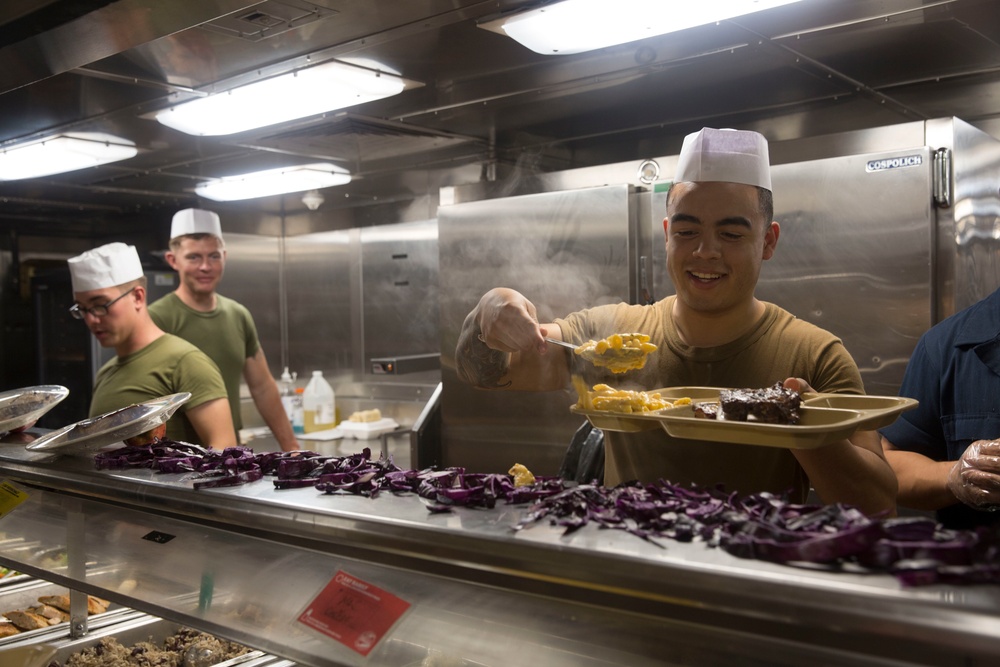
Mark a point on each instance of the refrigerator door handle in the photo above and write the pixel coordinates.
(942, 177)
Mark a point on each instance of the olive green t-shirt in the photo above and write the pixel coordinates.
(168, 365)
(778, 347)
(226, 334)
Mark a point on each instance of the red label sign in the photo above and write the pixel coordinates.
(353, 612)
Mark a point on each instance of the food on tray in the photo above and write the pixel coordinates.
(149, 437)
(618, 352)
(628, 401)
(204, 649)
(707, 410)
(522, 476)
(95, 605)
(50, 610)
(365, 416)
(27, 620)
(771, 405)
(54, 615)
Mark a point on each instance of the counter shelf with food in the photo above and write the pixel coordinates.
(475, 586)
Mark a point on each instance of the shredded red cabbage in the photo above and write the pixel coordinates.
(763, 526)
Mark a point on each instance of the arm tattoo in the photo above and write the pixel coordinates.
(479, 365)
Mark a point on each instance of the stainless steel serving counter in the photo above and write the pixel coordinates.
(243, 562)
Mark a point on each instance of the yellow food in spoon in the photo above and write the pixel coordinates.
(618, 352)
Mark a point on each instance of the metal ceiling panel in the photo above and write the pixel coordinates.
(109, 29)
(487, 107)
(269, 19)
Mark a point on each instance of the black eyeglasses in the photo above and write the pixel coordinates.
(78, 311)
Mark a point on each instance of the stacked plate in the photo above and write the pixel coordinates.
(20, 408)
(90, 434)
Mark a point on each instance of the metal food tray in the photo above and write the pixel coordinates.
(410, 654)
(130, 631)
(26, 594)
(84, 437)
(13, 579)
(22, 407)
(825, 418)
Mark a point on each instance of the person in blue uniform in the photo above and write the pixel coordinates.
(946, 452)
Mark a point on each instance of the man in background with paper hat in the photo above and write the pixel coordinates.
(714, 332)
(221, 327)
(109, 289)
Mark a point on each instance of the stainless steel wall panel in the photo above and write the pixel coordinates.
(564, 251)
(400, 290)
(253, 269)
(321, 271)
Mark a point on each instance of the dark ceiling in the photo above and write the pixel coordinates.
(486, 106)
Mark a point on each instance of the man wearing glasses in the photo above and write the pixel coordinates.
(109, 289)
(219, 326)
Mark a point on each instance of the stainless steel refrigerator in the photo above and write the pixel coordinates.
(883, 233)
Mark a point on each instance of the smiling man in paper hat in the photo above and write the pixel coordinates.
(714, 332)
(221, 327)
(109, 289)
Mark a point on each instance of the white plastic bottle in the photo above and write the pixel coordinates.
(319, 404)
(286, 388)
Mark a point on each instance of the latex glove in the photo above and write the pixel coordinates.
(509, 322)
(975, 478)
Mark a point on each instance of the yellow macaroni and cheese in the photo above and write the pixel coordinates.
(626, 401)
(618, 352)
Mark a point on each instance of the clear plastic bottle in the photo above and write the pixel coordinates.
(298, 412)
(286, 389)
(319, 404)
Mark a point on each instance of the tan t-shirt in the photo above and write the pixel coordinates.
(778, 347)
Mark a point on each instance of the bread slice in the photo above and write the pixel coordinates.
(95, 605)
(60, 602)
(54, 615)
(26, 620)
(7, 629)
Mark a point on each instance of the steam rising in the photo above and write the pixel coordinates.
(563, 250)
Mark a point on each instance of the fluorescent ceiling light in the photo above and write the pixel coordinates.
(274, 182)
(306, 92)
(61, 153)
(574, 26)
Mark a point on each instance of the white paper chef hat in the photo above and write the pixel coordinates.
(732, 156)
(195, 221)
(110, 265)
